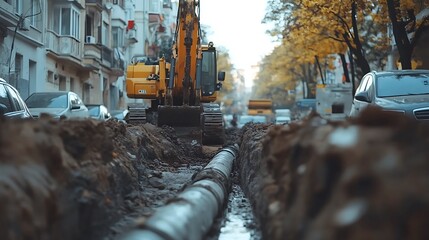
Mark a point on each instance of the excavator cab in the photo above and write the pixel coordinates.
(209, 75)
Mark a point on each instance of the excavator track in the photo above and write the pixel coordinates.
(213, 131)
(136, 115)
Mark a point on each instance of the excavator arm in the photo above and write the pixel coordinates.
(189, 92)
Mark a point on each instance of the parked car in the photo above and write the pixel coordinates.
(282, 120)
(98, 111)
(403, 91)
(62, 104)
(11, 103)
(251, 118)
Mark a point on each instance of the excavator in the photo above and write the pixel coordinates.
(183, 91)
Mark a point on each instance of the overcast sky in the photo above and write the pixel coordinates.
(236, 25)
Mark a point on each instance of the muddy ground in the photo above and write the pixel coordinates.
(360, 179)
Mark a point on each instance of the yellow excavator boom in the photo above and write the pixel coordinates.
(184, 90)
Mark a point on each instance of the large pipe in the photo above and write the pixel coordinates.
(190, 215)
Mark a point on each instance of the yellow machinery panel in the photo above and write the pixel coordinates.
(146, 81)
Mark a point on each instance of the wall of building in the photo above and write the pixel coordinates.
(31, 60)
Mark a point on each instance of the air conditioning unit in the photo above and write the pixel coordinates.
(90, 39)
(25, 25)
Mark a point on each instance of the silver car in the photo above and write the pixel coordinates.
(405, 92)
(62, 104)
(99, 112)
(11, 103)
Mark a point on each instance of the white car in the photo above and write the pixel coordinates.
(98, 112)
(251, 118)
(62, 104)
(283, 120)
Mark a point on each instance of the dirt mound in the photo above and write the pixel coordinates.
(360, 179)
(74, 179)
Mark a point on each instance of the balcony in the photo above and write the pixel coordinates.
(95, 3)
(92, 55)
(167, 4)
(7, 16)
(118, 15)
(63, 46)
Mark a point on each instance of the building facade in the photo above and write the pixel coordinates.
(76, 45)
(82, 46)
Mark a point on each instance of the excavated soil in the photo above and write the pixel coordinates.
(87, 179)
(365, 178)
(360, 179)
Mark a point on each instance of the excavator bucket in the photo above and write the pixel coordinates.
(179, 116)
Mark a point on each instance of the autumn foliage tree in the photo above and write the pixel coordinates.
(320, 28)
(224, 64)
(402, 14)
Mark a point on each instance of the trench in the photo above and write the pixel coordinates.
(213, 206)
(237, 220)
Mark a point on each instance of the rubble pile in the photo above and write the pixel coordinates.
(360, 179)
(363, 178)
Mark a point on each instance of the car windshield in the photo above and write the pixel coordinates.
(94, 111)
(402, 85)
(47, 100)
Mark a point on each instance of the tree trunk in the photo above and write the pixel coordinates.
(358, 51)
(352, 68)
(345, 68)
(401, 38)
(304, 84)
(320, 69)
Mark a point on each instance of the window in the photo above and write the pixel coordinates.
(4, 98)
(154, 6)
(47, 100)
(88, 26)
(402, 85)
(18, 6)
(15, 99)
(66, 21)
(369, 87)
(73, 99)
(117, 37)
(32, 12)
(208, 73)
(105, 32)
(363, 84)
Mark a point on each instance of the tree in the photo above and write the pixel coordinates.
(224, 64)
(322, 27)
(404, 23)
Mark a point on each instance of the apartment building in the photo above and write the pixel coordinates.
(22, 54)
(77, 45)
(153, 25)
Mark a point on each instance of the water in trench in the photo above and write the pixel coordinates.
(237, 222)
